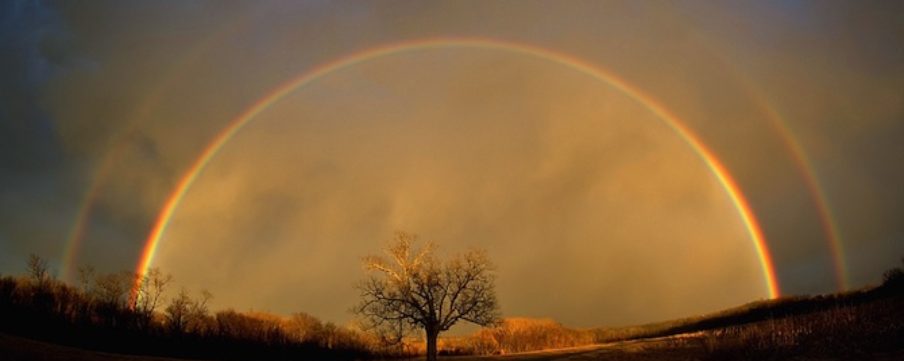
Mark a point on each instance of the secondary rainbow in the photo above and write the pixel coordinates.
(817, 194)
(804, 166)
(808, 175)
(114, 154)
(235, 125)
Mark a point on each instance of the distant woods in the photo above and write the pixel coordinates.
(105, 312)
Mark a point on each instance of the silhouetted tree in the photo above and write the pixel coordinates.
(110, 295)
(114, 312)
(412, 289)
(177, 312)
(893, 279)
(198, 314)
(86, 275)
(148, 292)
(113, 288)
(37, 270)
(183, 311)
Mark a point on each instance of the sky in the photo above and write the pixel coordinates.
(595, 210)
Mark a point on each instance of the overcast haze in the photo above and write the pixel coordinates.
(595, 211)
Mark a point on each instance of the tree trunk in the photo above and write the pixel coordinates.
(432, 333)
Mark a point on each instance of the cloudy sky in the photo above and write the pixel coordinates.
(594, 209)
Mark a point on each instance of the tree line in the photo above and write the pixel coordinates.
(408, 298)
(126, 313)
(107, 312)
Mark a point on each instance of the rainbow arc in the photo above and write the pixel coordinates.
(719, 171)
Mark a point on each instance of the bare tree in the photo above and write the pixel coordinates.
(411, 289)
(110, 297)
(304, 327)
(113, 288)
(177, 312)
(86, 274)
(37, 269)
(184, 312)
(148, 292)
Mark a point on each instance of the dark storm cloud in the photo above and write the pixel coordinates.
(33, 164)
(28, 135)
(69, 98)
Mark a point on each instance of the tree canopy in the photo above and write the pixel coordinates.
(410, 288)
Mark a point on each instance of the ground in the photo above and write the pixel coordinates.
(14, 348)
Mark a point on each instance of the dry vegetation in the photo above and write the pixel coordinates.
(412, 289)
(865, 324)
(845, 332)
(512, 335)
(102, 315)
(861, 305)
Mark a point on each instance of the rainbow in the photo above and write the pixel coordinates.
(751, 224)
(114, 154)
(77, 233)
(798, 156)
(110, 159)
(817, 194)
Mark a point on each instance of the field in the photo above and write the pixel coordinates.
(685, 347)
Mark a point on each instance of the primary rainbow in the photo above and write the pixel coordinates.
(236, 124)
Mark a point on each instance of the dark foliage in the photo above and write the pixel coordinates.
(102, 317)
(759, 311)
(848, 325)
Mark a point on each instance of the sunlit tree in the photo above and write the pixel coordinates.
(410, 288)
(112, 289)
(304, 327)
(183, 311)
(147, 294)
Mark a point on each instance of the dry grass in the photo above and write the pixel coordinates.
(514, 335)
(872, 330)
(846, 332)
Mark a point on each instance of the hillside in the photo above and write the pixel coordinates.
(758, 311)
